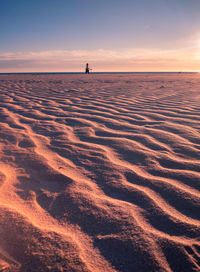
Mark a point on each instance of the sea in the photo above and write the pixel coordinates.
(80, 73)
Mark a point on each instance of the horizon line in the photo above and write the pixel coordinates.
(102, 72)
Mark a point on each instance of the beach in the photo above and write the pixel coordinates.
(100, 172)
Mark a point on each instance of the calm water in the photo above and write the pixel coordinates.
(79, 73)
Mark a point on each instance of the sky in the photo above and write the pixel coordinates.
(112, 35)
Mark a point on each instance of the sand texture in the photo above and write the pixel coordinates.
(100, 173)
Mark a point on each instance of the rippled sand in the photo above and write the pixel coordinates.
(100, 173)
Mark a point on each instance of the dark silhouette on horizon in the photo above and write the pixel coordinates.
(87, 69)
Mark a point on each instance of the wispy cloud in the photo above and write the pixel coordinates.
(126, 59)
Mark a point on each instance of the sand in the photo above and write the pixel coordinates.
(100, 173)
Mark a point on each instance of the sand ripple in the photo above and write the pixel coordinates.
(100, 173)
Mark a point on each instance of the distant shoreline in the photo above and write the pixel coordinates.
(96, 73)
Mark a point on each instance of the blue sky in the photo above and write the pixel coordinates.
(113, 35)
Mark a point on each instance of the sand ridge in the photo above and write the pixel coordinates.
(100, 172)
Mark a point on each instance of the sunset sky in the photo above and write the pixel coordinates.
(112, 35)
